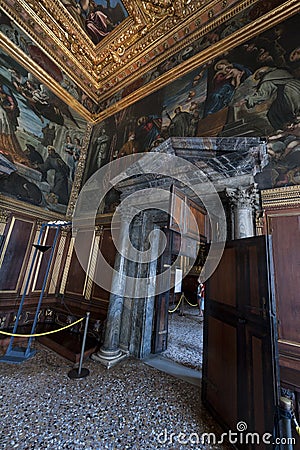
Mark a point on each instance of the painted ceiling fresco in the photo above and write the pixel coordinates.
(97, 18)
(139, 47)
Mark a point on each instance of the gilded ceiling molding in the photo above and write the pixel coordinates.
(281, 197)
(135, 54)
(158, 9)
(77, 56)
(152, 33)
(247, 32)
(40, 31)
(39, 73)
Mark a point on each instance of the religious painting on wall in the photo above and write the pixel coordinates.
(252, 90)
(98, 18)
(40, 139)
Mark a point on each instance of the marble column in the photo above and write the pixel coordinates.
(110, 352)
(244, 202)
(142, 308)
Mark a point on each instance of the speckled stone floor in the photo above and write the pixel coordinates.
(185, 338)
(130, 406)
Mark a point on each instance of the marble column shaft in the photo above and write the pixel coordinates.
(244, 201)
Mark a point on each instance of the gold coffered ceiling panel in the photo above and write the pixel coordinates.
(153, 31)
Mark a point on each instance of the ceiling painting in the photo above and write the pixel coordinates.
(107, 63)
(97, 18)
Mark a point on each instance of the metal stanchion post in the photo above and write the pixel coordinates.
(81, 372)
(286, 409)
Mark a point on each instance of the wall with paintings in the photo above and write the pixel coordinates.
(251, 90)
(40, 139)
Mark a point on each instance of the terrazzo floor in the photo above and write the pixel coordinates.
(185, 337)
(130, 406)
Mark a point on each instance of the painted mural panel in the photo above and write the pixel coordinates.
(40, 139)
(24, 43)
(185, 53)
(98, 18)
(252, 90)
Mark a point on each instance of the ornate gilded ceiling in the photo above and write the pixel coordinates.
(141, 35)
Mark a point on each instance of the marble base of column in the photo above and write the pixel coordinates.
(109, 358)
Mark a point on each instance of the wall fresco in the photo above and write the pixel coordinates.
(40, 139)
(24, 43)
(252, 90)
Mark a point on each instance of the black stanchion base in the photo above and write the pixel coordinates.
(75, 374)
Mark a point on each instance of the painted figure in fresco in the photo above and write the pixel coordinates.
(48, 135)
(147, 131)
(35, 158)
(228, 76)
(10, 110)
(19, 187)
(129, 147)
(61, 169)
(193, 128)
(74, 8)
(76, 155)
(9, 113)
(97, 23)
(283, 168)
(180, 123)
(69, 149)
(279, 85)
(12, 183)
(102, 144)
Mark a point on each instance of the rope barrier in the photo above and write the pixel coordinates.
(182, 298)
(173, 310)
(189, 302)
(42, 334)
(296, 423)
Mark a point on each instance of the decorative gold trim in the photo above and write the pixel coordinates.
(141, 42)
(290, 343)
(249, 31)
(28, 249)
(281, 197)
(41, 74)
(79, 172)
(4, 215)
(17, 207)
(67, 266)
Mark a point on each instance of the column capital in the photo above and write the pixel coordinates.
(4, 215)
(243, 197)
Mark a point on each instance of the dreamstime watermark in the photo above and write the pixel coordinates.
(240, 436)
(152, 169)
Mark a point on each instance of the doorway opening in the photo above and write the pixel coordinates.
(185, 327)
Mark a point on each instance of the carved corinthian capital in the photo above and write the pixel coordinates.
(244, 198)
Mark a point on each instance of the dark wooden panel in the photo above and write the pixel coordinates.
(43, 261)
(76, 276)
(186, 216)
(286, 249)
(221, 389)
(240, 338)
(108, 250)
(223, 281)
(14, 254)
(160, 325)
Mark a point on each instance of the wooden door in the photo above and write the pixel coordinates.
(285, 229)
(160, 331)
(240, 373)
